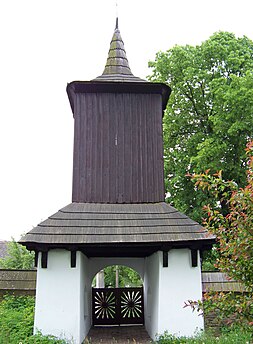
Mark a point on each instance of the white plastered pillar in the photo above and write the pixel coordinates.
(62, 308)
(151, 293)
(168, 288)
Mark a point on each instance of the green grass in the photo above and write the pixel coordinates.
(232, 336)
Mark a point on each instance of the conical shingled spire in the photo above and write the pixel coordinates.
(117, 67)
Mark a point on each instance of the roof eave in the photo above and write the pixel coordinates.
(131, 249)
(75, 87)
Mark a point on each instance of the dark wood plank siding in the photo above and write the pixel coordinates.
(17, 282)
(118, 149)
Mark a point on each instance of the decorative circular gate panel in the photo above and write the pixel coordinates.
(104, 305)
(111, 306)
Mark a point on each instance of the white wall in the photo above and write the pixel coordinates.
(85, 297)
(151, 293)
(60, 300)
(97, 264)
(166, 290)
(178, 283)
(63, 295)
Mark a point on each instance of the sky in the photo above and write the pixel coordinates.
(47, 43)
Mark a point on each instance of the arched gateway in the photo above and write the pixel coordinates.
(118, 211)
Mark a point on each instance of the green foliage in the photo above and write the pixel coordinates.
(209, 259)
(16, 322)
(16, 319)
(18, 257)
(209, 115)
(40, 339)
(236, 336)
(127, 277)
(234, 232)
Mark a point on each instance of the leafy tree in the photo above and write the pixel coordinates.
(127, 277)
(18, 257)
(209, 115)
(234, 233)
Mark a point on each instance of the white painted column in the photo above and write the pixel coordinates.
(178, 283)
(85, 297)
(151, 293)
(60, 297)
(166, 291)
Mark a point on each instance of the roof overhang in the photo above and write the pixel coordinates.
(118, 230)
(121, 249)
(117, 87)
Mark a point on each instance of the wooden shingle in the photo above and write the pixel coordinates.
(117, 66)
(86, 224)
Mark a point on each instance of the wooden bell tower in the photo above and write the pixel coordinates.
(118, 144)
(118, 213)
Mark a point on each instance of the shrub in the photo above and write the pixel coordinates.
(16, 318)
(16, 322)
(234, 232)
(40, 339)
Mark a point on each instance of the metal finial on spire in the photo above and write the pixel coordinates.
(117, 23)
(117, 13)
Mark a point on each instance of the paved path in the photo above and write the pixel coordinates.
(118, 335)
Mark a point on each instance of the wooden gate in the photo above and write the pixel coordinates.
(116, 306)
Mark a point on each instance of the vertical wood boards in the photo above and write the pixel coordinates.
(118, 149)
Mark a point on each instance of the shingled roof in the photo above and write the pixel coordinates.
(86, 225)
(117, 66)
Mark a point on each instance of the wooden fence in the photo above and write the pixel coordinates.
(17, 282)
(218, 281)
(23, 282)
